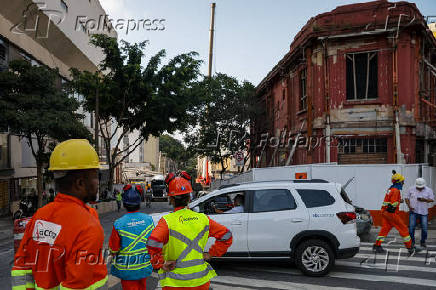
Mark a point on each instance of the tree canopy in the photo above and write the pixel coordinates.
(34, 106)
(151, 99)
(223, 119)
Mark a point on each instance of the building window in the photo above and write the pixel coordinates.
(303, 90)
(368, 145)
(362, 76)
(64, 5)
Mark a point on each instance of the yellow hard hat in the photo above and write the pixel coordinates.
(74, 154)
(397, 178)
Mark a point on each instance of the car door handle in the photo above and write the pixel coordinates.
(297, 220)
(236, 223)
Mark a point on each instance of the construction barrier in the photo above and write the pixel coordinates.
(366, 183)
(19, 229)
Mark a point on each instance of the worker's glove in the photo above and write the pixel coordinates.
(390, 208)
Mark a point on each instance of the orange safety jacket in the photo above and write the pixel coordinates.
(62, 247)
(392, 197)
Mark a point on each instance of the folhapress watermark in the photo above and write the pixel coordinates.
(105, 24)
(37, 19)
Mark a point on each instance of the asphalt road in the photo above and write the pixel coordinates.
(365, 271)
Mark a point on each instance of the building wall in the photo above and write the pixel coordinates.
(317, 51)
(54, 43)
(151, 151)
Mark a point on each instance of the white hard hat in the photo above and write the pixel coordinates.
(420, 183)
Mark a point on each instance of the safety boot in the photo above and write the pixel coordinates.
(378, 249)
(413, 250)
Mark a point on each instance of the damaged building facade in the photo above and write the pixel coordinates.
(357, 86)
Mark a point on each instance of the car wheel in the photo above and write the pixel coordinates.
(314, 257)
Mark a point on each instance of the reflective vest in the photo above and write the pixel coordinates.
(132, 261)
(188, 235)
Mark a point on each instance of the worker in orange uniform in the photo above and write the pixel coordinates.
(176, 245)
(128, 242)
(63, 242)
(391, 216)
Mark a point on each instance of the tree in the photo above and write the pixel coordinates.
(223, 119)
(34, 107)
(175, 150)
(151, 99)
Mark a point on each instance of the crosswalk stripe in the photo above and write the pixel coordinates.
(354, 276)
(264, 284)
(430, 252)
(382, 266)
(393, 256)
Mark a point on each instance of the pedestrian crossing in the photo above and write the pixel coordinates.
(364, 271)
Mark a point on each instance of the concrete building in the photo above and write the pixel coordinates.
(49, 34)
(142, 161)
(357, 86)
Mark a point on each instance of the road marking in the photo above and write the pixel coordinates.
(354, 276)
(6, 252)
(391, 267)
(393, 256)
(263, 284)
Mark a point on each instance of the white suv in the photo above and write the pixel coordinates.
(305, 220)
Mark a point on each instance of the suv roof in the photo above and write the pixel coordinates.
(284, 180)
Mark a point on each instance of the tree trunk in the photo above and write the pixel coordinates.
(110, 161)
(223, 169)
(39, 182)
(110, 182)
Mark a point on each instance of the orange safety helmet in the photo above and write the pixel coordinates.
(178, 185)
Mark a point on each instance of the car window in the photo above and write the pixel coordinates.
(273, 200)
(220, 203)
(315, 197)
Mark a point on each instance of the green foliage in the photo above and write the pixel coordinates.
(152, 99)
(33, 105)
(175, 150)
(223, 119)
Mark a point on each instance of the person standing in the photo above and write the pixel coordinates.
(128, 243)
(391, 216)
(418, 199)
(119, 198)
(63, 242)
(176, 245)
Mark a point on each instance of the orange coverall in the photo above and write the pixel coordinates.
(62, 245)
(393, 197)
(160, 234)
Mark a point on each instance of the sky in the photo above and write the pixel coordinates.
(250, 36)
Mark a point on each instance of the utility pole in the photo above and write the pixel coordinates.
(209, 72)
(212, 26)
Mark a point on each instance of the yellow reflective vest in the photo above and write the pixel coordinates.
(188, 235)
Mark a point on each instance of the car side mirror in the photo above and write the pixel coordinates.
(196, 208)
